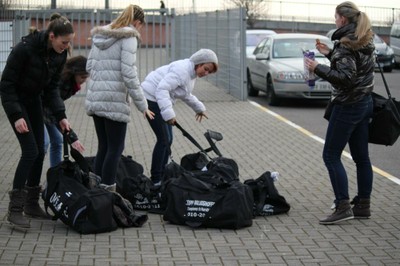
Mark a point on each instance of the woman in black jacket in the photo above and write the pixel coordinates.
(351, 74)
(32, 71)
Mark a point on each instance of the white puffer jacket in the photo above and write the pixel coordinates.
(113, 74)
(168, 83)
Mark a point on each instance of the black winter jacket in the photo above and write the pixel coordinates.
(32, 70)
(352, 65)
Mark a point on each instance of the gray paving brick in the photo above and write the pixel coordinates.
(258, 142)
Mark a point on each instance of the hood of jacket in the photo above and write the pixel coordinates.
(103, 36)
(346, 36)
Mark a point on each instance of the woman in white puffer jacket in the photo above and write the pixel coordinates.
(113, 78)
(162, 87)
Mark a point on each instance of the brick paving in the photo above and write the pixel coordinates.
(258, 142)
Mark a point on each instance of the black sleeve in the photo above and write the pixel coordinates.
(9, 82)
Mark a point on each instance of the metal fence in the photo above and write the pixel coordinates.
(165, 38)
(224, 33)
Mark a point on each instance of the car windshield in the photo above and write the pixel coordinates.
(253, 39)
(293, 48)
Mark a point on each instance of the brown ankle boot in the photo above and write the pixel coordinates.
(32, 207)
(342, 212)
(15, 208)
(361, 208)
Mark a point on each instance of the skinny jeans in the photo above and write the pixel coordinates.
(348, 124)
(53, 139)
(162, 148)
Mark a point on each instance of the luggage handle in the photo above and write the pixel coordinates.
(78, 157)
(188, 136)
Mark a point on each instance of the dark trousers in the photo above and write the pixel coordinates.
(349, 124)
(111, 144)
(30, 165)
(162, 148)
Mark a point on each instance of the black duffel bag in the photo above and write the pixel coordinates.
(267, 200)
(85, 210)
(203, 199)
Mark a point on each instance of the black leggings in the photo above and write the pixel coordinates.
(111, 138)
(29, 169)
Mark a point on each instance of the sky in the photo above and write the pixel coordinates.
(201, 4)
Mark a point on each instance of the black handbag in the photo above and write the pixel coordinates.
(384, 126)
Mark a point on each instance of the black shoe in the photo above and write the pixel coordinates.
(343, 212)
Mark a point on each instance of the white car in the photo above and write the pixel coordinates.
(277, 68)
(254, 37)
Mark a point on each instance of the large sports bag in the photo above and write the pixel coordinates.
(202, 199)
(85, 210)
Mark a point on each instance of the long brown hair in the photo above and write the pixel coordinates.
(130, 14)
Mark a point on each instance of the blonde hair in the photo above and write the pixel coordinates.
(350, 11)
(130, 14)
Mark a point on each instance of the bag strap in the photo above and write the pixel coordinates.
(383, 78)
(76, 155)
(393, 106)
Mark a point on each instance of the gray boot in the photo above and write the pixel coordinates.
(15, 208)
(32, 207)
(342, 212)
(361, 208)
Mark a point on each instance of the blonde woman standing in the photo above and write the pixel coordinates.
(351, 74)
(113, 75)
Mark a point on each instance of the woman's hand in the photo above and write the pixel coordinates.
(21, 126)
(77, 145)
(172, 121)
(199, 116)
(323, 48)
(311, 64)
(148, 114)
(64, 125)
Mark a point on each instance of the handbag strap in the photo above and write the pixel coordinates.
(78, 157)
(383, 78)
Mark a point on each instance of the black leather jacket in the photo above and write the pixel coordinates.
(32, 70)
(352, 65)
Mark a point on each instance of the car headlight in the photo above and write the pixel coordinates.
(288, 76)
(389, 50)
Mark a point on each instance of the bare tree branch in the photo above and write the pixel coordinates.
(254, 9)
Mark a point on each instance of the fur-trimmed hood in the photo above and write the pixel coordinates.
(345, 35)
(103, 36)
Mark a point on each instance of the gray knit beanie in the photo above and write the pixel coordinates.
(203, 56)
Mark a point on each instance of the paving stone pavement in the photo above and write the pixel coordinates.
(258, 142)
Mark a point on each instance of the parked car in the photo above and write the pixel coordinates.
(384, 53)
(278, 68)
(253, 37)
(394, 41)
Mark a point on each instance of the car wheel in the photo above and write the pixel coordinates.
(272, 99)
(250, 89)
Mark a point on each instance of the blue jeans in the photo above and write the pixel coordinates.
(111, 144)
(54, 139)
(162, 148)
(30, 165)
(349, 124)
